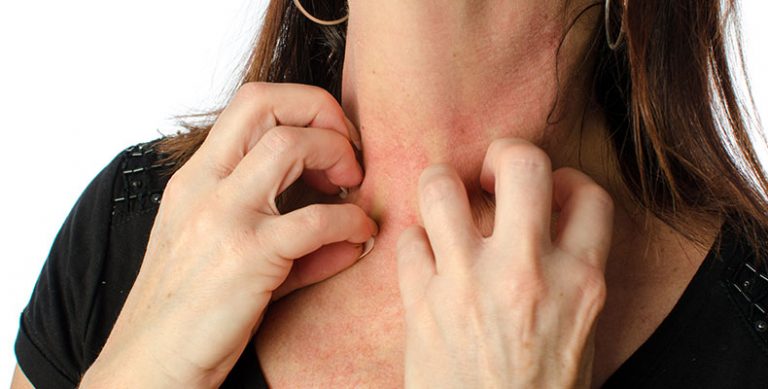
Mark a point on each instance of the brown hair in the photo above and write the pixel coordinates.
(678, 126)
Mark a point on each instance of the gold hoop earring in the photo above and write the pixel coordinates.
(309, 16)
(611, 43)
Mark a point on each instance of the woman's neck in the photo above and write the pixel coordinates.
(429, 82)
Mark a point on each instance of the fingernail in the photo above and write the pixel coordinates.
(375, 228)
(367, 247)
(273, 207)
(344, 192)
(354, 135)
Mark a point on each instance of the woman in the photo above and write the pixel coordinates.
(508, 170)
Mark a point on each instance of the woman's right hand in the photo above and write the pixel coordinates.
(219, 252)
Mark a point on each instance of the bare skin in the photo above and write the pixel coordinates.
(439, 86)
(442, 83)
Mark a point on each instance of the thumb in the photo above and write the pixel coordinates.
(322, 264)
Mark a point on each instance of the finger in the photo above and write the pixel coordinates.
(306, 229)
(520, 175)
(257, 108)
(318, 180)
(585, 225)
(415, 264)
(446, 214)
(318, 266)
(280, 158)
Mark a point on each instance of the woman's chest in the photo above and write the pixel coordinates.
(345, 332)
(349, 330)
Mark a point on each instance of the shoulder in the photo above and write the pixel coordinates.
(745, 283)
(725, 342)
(138, 180)
(91, 266)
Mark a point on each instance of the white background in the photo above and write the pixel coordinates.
(81, 80)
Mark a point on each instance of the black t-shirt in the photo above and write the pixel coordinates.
(716, 336)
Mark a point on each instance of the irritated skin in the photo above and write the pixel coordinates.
(429, 82)
(432, 82)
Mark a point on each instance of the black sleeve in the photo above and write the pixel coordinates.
(92, 265)
(50, 342)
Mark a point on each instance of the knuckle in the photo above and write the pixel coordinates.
(531, 283)
(526, 273)
(523, 292)
(592, 286)
(316, 217)
(324, 96)
(523, 155)
(251, 90)
(280, 140)
(437, 180)
(592, 254)
(599, 195)
(502, 143)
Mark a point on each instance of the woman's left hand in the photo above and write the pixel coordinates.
(516, 309)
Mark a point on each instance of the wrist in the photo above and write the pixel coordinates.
(131, 370)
